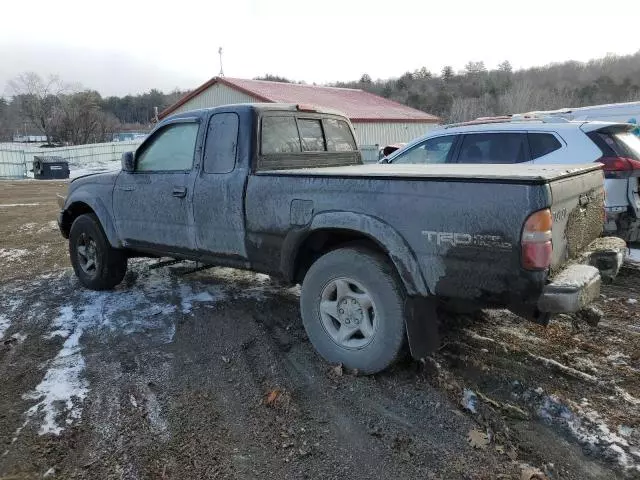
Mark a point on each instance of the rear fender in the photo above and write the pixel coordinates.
(394, 244)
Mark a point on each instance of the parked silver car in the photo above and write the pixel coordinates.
(544, 140)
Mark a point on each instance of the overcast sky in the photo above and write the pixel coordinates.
(119, 47)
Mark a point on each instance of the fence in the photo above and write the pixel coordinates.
(17, 159)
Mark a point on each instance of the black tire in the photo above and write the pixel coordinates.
(379, 281)
(110, 264)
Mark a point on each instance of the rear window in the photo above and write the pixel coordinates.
(280, 135)
(311, 135)
(493, 148)
(287, 134)
(621, 144)
(542, 144)
(339, 136)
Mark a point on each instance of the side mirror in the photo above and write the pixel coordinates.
(128, 162)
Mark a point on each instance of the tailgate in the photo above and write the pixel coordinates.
(578, 214)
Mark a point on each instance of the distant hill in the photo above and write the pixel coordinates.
(476, 91)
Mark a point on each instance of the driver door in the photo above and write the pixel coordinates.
(152, 204)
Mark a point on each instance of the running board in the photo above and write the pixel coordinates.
(197, 269)
(166, 263)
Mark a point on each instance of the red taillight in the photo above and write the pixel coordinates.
(620, 167)
(537, 249)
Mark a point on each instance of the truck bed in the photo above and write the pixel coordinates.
(512, 173)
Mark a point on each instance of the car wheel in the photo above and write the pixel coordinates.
(97, 265)
(353, 309)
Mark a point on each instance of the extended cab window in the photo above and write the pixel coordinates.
(172, 149)
(311, 135)
(542, 144)
(222, 143)
(280, 135)
(494, 148)
(339, 136)
(434, 150)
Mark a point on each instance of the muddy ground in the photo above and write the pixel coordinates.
(211, 376)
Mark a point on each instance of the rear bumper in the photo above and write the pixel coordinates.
(572, 290)
(577, 285)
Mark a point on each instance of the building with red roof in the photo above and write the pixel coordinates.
(376, 120)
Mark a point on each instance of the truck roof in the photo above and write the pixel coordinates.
(261, 107)
(512, 173)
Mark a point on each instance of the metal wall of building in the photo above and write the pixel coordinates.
(386, 133)
(367, 133)
(215, 96)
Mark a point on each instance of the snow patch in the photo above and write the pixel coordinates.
(12, 254)
(63, 382)
(4, 324)
(188, 296)
(50, 226)
(93, 167)
(144, 308)
(470, 400)
(19, 337)
(27, 227)
(8, 205)
(586, 425)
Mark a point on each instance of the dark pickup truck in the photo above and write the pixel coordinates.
(281, 189)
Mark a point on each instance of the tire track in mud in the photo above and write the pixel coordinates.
(367, 425)
(182, 375)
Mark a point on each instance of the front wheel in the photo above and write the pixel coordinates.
(353, 309)
(97, 265)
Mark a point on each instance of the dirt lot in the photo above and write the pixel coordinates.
(211, 376)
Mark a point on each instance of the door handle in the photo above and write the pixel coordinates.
(127, 188)
(179, 192)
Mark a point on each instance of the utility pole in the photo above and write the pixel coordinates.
(220, 53)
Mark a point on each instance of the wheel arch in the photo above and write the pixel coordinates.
(331, 230)
(82, 204)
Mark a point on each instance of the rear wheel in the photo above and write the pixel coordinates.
(97, 265)
(353, 309)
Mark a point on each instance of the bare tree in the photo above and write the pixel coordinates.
(38, 99)
(82, 120)
(463, 109)
(523, 97)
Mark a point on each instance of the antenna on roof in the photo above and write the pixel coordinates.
(220, 53)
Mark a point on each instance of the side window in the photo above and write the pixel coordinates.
(434, 150)
(311, 135)
(542, 144)
(280, 135)
(221, 143)
(339, 136)
(494, 148)
(172, 150)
